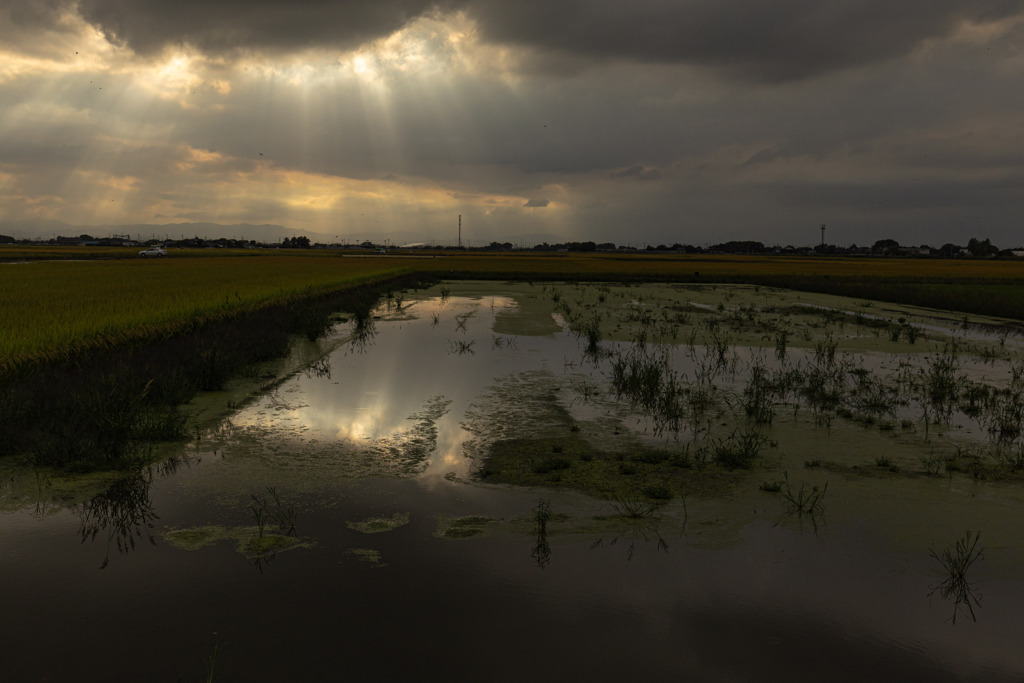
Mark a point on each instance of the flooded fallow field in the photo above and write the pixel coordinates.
(510, 482)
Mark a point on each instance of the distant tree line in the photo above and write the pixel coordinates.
(300, 242)
(975, 248)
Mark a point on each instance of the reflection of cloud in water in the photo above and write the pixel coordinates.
(404, 451)
(377, 403)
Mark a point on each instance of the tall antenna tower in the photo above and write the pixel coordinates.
(822, 234)
(460, 231)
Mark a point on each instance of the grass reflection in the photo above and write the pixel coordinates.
(124, 512)
(956, 561)
(639, 524)
(542, 549)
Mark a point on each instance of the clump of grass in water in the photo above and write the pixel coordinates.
(590, 330)
(739, 450)
(635, 507)
(757, 396)
(803, 500)
(266, 510)
(955, 562)
(213, 664)
(1005, 417)
(942, 384)
(825, 350)
(651, 384)
(781, 341)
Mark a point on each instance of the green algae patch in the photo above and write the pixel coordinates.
(530, 317)
(197, 537)
(464, 527)
(378, 525)
(254, 545)
(574, 463)
(48, 490)
(367, 556)
(249, 542)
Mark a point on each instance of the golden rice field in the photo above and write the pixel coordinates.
(51, 308)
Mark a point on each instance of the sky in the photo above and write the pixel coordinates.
(639, 122)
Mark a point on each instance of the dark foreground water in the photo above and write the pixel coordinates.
(727, 588)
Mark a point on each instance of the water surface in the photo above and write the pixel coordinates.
(723, 587)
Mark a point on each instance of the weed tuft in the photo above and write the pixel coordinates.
(955, 562)
(636, 507)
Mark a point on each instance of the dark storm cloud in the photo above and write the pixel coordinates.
(775, 41)
(638, 172)
(217, 26)
(30, 26)
(591, 99)
(29, 14)
(932, 198)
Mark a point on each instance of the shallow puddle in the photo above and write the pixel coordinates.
(352, 520)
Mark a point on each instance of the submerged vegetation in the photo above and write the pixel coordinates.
(701, 384)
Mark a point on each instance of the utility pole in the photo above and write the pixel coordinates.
(460, 231)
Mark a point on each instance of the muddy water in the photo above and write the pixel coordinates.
(401, 566)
